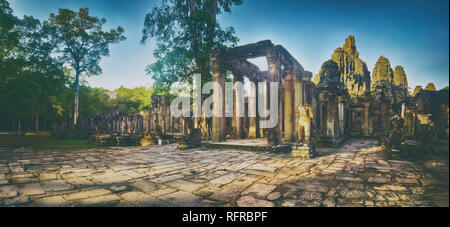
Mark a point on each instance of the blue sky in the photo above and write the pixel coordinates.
(411, 33)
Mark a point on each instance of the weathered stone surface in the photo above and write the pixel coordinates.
(274, 196)
(260, 190)
(184, 185)
(249, 201)
(56, 185)
(329, 202)
(53, 201)
(330, 75)
(182, 199)
(17, 201)
(382, 72)
(142, 200)
(8, 191)
(356, 174)
(32, 189)
(48, 176)
(400, 79)
(416, 91)
(384, 89)
(353, 71)
(144, 185)
(87, 194)
(430, 87)
(104, 200)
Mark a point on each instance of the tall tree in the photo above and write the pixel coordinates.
(82, 43)
(9, 41)
(44, 74)
(9, 36)
(186, 32)
(28, 72)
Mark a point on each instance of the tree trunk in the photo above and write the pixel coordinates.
(18, 129)
(77, 81)
(36, 122)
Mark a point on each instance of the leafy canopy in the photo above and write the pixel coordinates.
(186, 31)
(133, 100)
(81, 39)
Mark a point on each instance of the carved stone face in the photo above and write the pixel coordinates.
(329, 72)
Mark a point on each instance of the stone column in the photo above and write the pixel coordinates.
(124, 125)
(253, 131)
(323, 118)
(218, 121)
(366, 126)
(341, 109)
(288, 106)
(403, 110)
(239, 107)
(298, 102)
(274, 75)
(184, 126)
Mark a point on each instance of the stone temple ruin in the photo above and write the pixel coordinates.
(343, 100)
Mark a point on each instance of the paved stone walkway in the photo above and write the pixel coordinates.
(357, 174)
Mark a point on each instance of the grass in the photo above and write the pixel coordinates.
(43, 141)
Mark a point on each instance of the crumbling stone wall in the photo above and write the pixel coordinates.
(115, 123)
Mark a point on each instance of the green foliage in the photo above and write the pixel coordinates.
(133, 100)
(81, 42)
(29, 74)
(9, 36)
(45, 142)
(94, 100)
(35, 86)
(186, 32)
(80, 39)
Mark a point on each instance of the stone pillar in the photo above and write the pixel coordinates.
(274, 75)
(323, 118)
(197, 119)
(239, 107)
(366, 125)
(298, 102)
(288, 106)
(253, 130)
(218, 121)
(124, 125)
(184, 126)
(341, 112)
(403, 110)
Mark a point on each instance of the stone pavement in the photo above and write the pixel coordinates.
(357, 174)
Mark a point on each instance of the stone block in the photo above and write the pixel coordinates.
(302, 151)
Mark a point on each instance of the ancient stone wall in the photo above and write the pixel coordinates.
(116, 123)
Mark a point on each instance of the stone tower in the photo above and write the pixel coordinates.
(382, 73)
(400, 79)
(352, 70)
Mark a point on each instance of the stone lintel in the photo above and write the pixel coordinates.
(253, 50)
